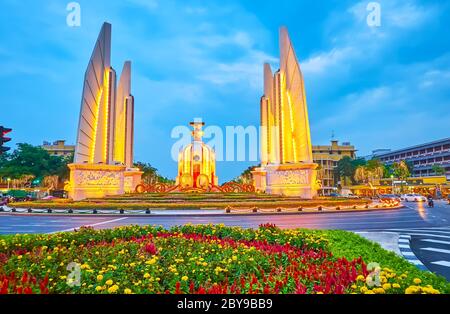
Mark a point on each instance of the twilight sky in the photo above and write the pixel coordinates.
(383, 87)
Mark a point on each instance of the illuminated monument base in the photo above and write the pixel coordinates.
(287, 179)
(99, 180)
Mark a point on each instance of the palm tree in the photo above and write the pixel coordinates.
(361, 174)
(401, 171)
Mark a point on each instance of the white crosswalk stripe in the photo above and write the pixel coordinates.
(432, 249)
(442, 263)
(436, 241)
(429, 235)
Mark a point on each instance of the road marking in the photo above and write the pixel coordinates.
(436, 250)
(442, 263)
(415, 261)
(431, 231)
(429, 235)
(403, 240)
(403, 246)
(39, 225)
(91, 225)
(408, 254)
(435, 241)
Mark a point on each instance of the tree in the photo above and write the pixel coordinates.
(375, 169)
(246, 176)
(361, 174)
(150, 175)
(438, 170)
(30, 162)
(346, 168)
(401, 171)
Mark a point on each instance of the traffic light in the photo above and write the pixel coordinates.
(3, 139)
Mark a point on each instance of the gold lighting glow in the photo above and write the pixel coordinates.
(106, 135)
(196, 162)
(291, 115)
(94, 137)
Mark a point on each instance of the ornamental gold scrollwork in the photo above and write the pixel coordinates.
(97, 178)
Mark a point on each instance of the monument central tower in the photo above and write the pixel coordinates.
(197, 162)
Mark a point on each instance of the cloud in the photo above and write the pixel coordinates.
(356, 44)
(410, 107)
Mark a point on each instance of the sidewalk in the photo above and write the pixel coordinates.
(387, 240)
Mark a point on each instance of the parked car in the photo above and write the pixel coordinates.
(413, 198)
(392, 197)
(351, 195)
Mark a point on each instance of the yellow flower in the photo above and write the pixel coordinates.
(369, 292)
(113, 289)
(379, 290)
(387, 286)
(49, 257)
(234, 258)
(19, 257)
(412, 290)
(360, 278)
(109, 282)
(184, 278)
(364, 289)
(127, 291)
(99, 278)
(417, 281)
(396, 285)
(146, 275)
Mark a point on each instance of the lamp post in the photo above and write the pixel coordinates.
(392, 179)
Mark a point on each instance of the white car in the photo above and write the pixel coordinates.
(413, 198)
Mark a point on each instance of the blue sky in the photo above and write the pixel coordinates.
(384, 87)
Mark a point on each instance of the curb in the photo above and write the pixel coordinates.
(127, 214)
(405, 248)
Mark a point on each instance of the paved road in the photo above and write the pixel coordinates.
(429, 229)
(428, 247)
(412, 216)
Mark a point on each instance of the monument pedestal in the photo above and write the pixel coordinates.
(100, 180)
(259, 179)
(297, 179)
(132, 178)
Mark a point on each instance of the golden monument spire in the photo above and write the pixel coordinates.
(286, 154)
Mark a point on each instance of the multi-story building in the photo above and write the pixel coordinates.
(376, 153)
(423, 157)
(59, 148)
(327, 156)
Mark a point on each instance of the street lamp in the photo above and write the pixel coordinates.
(392, 179)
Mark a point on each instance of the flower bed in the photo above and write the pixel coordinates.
(185, 204)
(195, 259)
